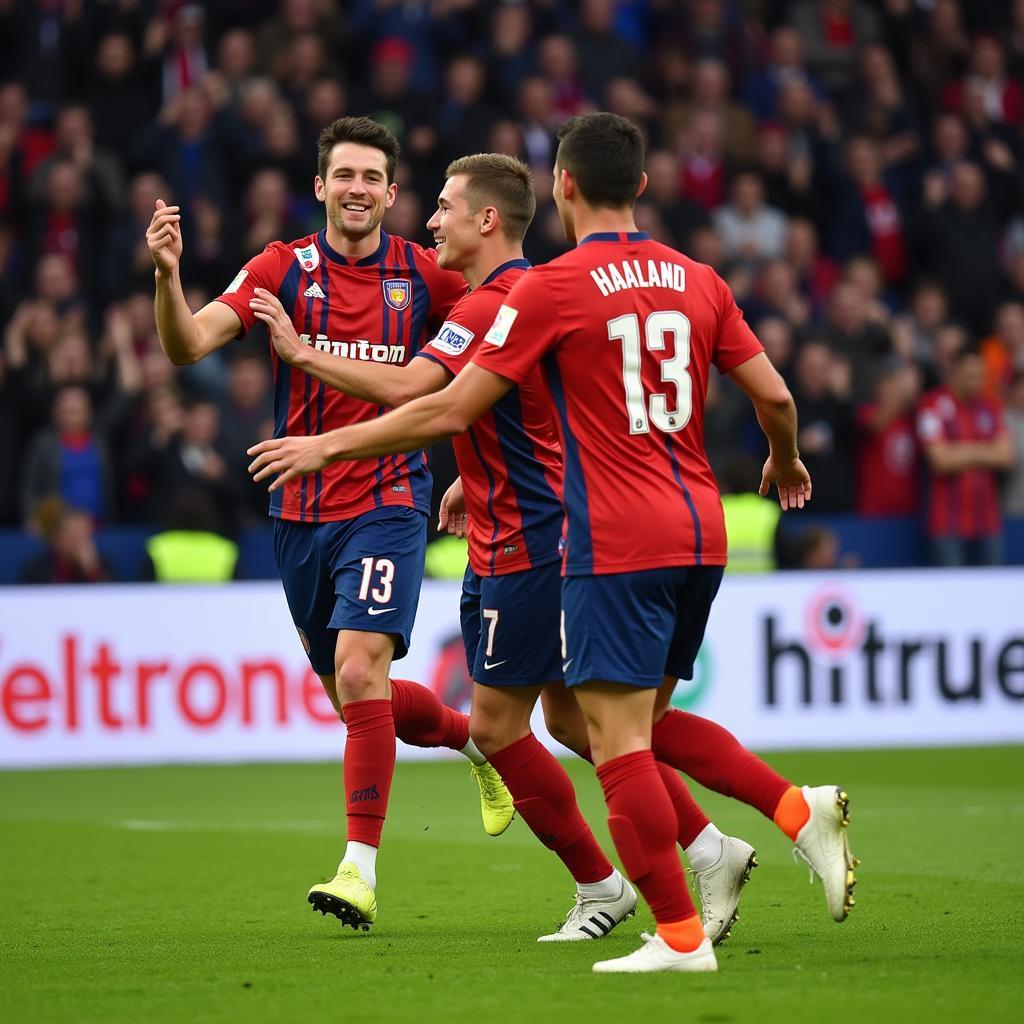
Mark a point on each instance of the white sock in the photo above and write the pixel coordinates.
(470, 750)
(364, 857)
(706, 850)
(607, 888)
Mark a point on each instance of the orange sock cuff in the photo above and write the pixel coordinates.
(683, 936)
(792, 812)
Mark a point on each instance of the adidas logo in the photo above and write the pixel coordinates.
(314, 292)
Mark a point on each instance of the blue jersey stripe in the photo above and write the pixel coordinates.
(318, 478)
(540, 510)
(491, 486)
(415, 463)
(308, 411)
(287, 292)
(580, 543)
(385, 319)
(697, 539)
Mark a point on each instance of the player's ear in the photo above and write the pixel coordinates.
(389, 196)
(567, 185)
(490, 220)
(318, 188)
(643, 184)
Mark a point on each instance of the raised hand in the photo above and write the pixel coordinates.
(288, 457)
(164, 237)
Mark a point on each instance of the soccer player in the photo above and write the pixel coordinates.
(625, 331)
(512, 472)
(350, 540)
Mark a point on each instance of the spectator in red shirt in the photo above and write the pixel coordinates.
(1003, 96)
(966, 443)
(888, 470)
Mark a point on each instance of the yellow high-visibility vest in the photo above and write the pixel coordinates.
(750, 523)
(192, 556)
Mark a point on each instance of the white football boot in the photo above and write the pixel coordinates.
(719, 887)
(823, 846)
(594, 919)
(657, 955)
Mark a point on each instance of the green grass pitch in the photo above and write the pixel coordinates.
(178, 894)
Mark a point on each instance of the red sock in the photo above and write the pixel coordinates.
(715, 758)
(545, 798)
(421, 720)
(692, 820)
(368, 767)
(642, 823)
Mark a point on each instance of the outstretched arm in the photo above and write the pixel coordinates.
(415, 425)
(777, 415)
(184, 337)
(380, 383)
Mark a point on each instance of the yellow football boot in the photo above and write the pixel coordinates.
(347, 897)
(496, 806)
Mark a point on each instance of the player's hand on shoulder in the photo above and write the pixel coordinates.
(286, 458)
(790, 478)
(266, 306)
(163, 237)
(453, 516)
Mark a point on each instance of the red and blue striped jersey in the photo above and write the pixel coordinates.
(378, 309)
(510, 461)
(626, 330)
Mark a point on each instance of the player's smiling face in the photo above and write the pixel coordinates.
(356, 191)
(454, 226)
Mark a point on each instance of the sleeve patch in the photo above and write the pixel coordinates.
(452, 338)
(236, 283)
(929, 426)
(498, 334)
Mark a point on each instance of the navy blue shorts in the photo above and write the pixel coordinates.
(362, 573)
(510, 626)
(636, 627)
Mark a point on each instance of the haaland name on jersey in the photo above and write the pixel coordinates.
(615, 277)
(360, 349)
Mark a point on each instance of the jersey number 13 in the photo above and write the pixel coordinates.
(643, 411)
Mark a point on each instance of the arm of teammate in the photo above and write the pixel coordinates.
(184, 336)
(776, 413)
(958, 456)
(380, 383)
(416, 425)
(452, 516)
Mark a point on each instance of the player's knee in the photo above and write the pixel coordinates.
(490, 733)
(357, 678)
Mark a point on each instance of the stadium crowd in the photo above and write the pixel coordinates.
(854, 170)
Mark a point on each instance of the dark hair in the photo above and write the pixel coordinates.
(363, 131)
(605, 155)
(494, 179)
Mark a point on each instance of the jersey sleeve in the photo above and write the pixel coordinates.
(262, 271)
(523, 331)
(457, 338)
(736, 342)
(929, 424)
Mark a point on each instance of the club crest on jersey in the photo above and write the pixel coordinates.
(397, 292)
(308, 256)
(452, 338)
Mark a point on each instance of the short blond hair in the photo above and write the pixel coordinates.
(494, 179)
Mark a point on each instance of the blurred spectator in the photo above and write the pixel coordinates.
(788, 176)
(558, 63)
(817, 547)
(851, 334)
(603, 53)
(703, 160)
(914, 332)
(1003, 351)
(1003, 98)
(71, 555)
(785, 64)
(509, 50)
(123, 96)
(710, 95)
(966, 443)
(1013, 491)
(959, 242)
(833, 31)
(821, 390)
(679, 214)
(189, 549)
(817, 274)
(868, 219)
(70, 459)
(180, 37)
(751, 522)
(778, 294)
(776, 334)
(266, 215)
(537, 120)
(706, 28)
(888, 477)
(464, 117)
(236, 59)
